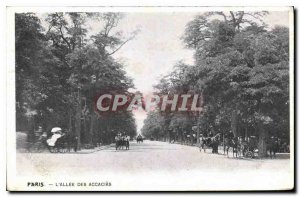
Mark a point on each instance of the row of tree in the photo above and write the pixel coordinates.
(241, 70)
(61, 67)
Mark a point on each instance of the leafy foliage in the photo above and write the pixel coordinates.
(61, 70)
(241, 70)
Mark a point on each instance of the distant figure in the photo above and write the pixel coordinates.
(38, 133)
(272, 147)
(139, 138)
(127, 138)
(117, 138)
(43, 137)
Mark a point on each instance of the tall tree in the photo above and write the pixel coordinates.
(232, 53)
(64, 67)
(241, 71)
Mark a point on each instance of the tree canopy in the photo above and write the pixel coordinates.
(60, 69)
(241, 70)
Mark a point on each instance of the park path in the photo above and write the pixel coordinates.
(160, 165)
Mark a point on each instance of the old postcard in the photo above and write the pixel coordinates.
(150, 98)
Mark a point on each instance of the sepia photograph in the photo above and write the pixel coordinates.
(150, 99)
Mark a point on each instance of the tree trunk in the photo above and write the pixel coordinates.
(262, 145)
(198, 135)
(234, 122)
(169, 136)
(92, 127)
(180, 135)
(86, 129)
(30, 135)
(78, 123)
(70, 121)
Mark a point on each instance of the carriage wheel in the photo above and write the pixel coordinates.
(53, 149)
(56, 150)
(249, 154)
(62, 150)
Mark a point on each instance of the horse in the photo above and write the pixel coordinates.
(204, 143)
(210, 142)
(121, 142)
(231, 143)
(126, 144)
(139, 139)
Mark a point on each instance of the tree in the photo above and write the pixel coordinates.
(36, 83)
(233, 53)
(61, 70)
(88, 59)
(153, 125)
(241, 71)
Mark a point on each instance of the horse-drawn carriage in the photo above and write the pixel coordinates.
(58, 142)
(61, 142)
(245, 148)
(248, 147)
(241, 147)
(139, 139)
(64, 144)
(122, 141)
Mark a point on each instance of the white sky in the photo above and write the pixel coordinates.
(157, 47)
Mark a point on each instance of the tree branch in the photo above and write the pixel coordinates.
(108, 54)
(222, 14)
(62, 36)
(233, 18)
